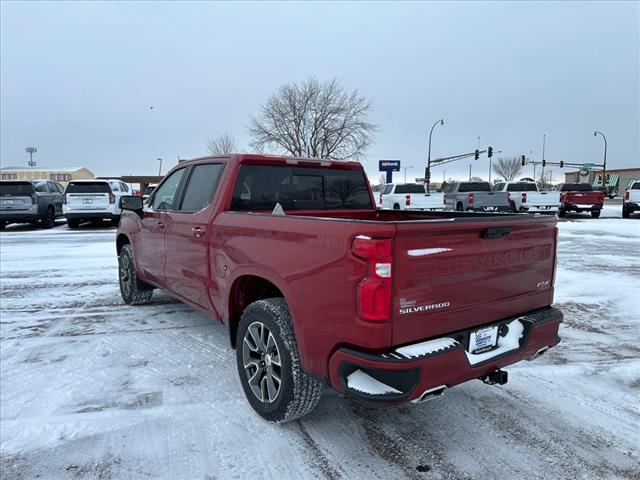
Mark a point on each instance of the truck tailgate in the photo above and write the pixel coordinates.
(490, 199)
(456, 274)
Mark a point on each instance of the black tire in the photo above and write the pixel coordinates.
(298, 393)
(133, 290)
(562, 212)
(595, 213)
(49, 221)
(73, 223)
(3, 225)
(512, 205)
(460, 207)
(625, 212)
(396, 206)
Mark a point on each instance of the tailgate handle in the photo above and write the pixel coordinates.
(495, 232)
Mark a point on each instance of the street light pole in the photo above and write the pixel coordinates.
(160, 168)
(604, 163)
(427, 172)
(405, 173)
(544, 142)
(31, 151)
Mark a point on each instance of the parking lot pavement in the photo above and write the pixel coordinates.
(92, 388)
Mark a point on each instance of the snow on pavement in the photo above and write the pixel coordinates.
(92, 388)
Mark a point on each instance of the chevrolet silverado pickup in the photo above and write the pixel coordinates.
(525, 197)
(579, 197)
(408, 196)
(474, 196)
(317, 287)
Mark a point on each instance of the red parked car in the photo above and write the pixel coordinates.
(579, 197)
(318, 287)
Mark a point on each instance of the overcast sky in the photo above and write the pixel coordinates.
(78, 79)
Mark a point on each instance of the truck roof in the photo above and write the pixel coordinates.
(254, 158)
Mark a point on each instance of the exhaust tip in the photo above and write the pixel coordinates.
(539, 353)
(430, 394)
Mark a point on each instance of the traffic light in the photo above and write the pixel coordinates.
(490, 152)
(524, 161)
(477, 154)
(561, 164)
(544, 163)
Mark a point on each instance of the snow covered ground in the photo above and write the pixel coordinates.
(91, 388)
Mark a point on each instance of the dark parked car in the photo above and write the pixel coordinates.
(30, 201)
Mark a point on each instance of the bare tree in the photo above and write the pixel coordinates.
(314, 119)
(507, 168)
(222, 145)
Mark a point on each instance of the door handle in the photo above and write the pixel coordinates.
(160, 226)
(198, 232)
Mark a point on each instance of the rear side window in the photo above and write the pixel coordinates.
(16, 188)
(300, 188)
(386, 189)
(41, 187)
(202, 184)
(635, 186)
(410, 188)
(474, 187)
(522, 187)
(88, 187)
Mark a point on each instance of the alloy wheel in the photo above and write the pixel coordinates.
(261, 362)
(125, 275)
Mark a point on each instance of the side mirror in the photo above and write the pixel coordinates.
(131, 202)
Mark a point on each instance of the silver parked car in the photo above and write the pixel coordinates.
(475, 196)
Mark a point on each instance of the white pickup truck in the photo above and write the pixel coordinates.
(631, 202)
(408, 196)
(525, 197)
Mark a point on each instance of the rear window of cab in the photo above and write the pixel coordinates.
(88, 187)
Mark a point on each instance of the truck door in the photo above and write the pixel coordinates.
(150, 258)
(188, 234)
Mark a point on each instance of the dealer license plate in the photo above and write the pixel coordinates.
(483, 340)
(7, 202)
(87, 201)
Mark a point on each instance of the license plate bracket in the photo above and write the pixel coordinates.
(483, 339)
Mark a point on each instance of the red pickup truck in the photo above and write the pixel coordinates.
(318, 287)
(579, 197)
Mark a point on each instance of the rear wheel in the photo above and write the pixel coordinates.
(50, 220)
(460, 207)
(625, 212)
(133, 290)
(3, 225)
(513, 207)
(396, 206)
(595, 213)
(269, 363)
(73, 223)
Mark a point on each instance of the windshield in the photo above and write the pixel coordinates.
(522, 187)
(576, 187)
(299, 188)
(88, 187)
(410, 188)
(16, 188)
(475, 187)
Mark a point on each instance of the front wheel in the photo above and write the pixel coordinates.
(269, 363)
(73, 223)
(562, 212)
(460, 207)
(625, 212)
(595, 213)
(133, 290)
(50, 220)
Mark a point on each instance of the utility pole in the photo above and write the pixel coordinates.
(405, 173)
(427, 172)
(469, 172)
(534, 165)
(160, 167)
(604, 163)
(544, 142)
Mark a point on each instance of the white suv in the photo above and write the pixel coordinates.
(93, 200)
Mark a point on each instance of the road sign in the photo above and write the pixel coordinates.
(588, 166)
(421, 180)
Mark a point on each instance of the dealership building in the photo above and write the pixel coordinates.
(58, 174)
(617, 178)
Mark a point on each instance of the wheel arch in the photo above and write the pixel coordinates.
(121, 241)
(245, 290)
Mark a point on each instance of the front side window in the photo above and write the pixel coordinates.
(41, 187)
(166, 193)
(300, 188)
(202, 183)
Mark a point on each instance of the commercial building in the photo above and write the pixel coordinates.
(62, 175)
(617, 178)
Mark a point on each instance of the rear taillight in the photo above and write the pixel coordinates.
(561, 197)
(626, 195)
(380, 199)
(471, 199)
(524, 197)
(407, 200)
(112, 198)
(374, 290)
(64, 199)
